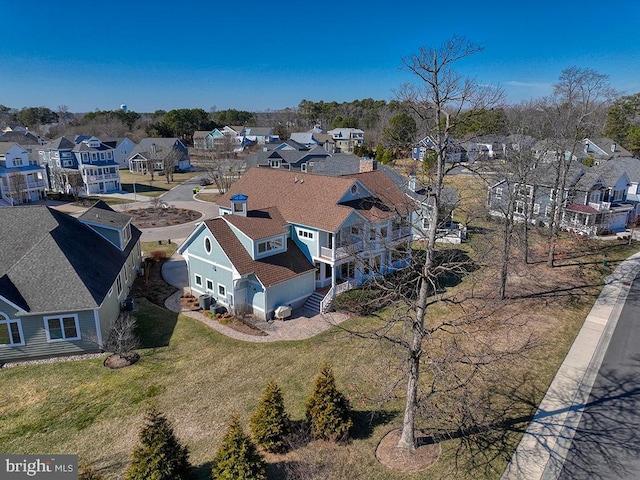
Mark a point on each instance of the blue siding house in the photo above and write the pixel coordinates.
(283, 237)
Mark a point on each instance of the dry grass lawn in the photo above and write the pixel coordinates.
(199, 378)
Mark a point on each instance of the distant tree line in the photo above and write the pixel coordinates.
(394, 124)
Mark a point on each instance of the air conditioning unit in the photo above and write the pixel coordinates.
(282, 312)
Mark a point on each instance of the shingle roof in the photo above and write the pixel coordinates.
(51, 261)
(313, 200)
(269, 270)
(100, 213)
(259, 223)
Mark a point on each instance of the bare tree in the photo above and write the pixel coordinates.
(439, 98)
(122, 337)
(222, 166)
(17, 187)
(75, 182)
(576, 109)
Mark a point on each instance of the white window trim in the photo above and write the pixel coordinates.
(4, 320)
(204, 243)
(224, 293)
(197, 279)
(60, 317)
(207, 282)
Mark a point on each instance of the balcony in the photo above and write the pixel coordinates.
(401, 232)
(100, 178)
(35, 184)
(345, 250)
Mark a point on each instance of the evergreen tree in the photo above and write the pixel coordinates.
(270, 423)
(387, 157)
(379, 152)
(328, 409)
(160, 456)
(237, 457)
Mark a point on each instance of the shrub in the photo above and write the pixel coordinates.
(159, 256)
(237, 457)
(327, 409)
(270, 424)
(85, 472)
(160, 456)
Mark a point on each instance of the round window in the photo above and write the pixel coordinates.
(354, 189)
(207, 244)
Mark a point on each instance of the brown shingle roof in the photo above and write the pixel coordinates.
(269, 270)
(259, 223)
(312, 200)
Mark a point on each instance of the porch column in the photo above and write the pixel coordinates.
(333, 276)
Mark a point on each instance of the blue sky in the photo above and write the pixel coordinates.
(257, 55)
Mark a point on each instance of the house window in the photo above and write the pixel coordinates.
(547, 211)
(10, 331)
(275, 163)
(119, 284)
(354, 189)
(101, 155)
(17, 162)
(198, 279)
(305, 234)
(519, 207)
(594, 197)
(355, 230)
(62, 328)
(536, 208)
(303, 168)
(85, 157)
(222, 290)
(498, 192)
(618, 195)
(383, 232)
(207, 245)
(238, 207)
(270, 245)
(209, 285)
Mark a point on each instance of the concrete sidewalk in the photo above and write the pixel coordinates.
(544, 446)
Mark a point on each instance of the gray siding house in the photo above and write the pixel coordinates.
(63, 280)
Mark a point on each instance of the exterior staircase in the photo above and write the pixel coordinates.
(313, 302)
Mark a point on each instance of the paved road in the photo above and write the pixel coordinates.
(182, 192)
(606, 444)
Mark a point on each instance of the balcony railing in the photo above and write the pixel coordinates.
(36, 184)
(342, 251)
(400, 233)
(98, 178)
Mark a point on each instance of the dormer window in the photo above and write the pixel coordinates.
(267, 246)
(275, 163)
(354, 189)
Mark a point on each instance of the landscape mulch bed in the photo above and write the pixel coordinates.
(161, 217)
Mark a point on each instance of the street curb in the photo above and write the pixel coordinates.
(543, 448)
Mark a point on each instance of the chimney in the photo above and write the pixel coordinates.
(367, 165)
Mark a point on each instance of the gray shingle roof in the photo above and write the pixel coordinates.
(51, 261)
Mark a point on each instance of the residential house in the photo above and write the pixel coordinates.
(155, 152)
(122, 149)
(598, 202)
(21, 179)
(63, 280)
(288, 155)
(313, 138)
(260, 135)
(455, 152)
(347, 139)
(532, 197)
(594, 200)
(58, 159)
(601, 149)
(28, 140)
(281, 235)
(96, 163)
